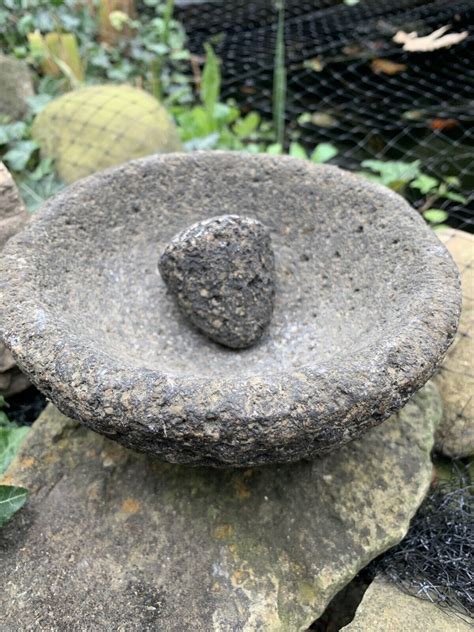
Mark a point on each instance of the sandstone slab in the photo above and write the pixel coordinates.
(115, 540)
(385, 607)
(455, 380)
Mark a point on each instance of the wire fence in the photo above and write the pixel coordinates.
(351, 85)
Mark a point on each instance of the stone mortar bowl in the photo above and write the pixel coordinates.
(367, 303)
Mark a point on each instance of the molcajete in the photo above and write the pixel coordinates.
(367, 302)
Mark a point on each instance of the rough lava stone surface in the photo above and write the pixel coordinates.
(221, 272)
(367, 302)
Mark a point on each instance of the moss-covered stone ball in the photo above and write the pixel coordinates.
(96, 127)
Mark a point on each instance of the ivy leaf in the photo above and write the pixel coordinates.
(424, 183)
(204, 142)
(435, 215)
(10, 440)
(11, 500)
(394, 173)
(275, 149)
(298, 151)
(12, 131)
(247, 125)
(38, 102)
(17, 158)
(455, 197)
(323, 152)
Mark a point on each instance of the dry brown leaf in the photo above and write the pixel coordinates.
(387, 67)
(435, 40)
(442, 124)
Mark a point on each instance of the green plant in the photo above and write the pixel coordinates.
(150, 52)
(321, 153)
(279, 76)
(11, 498)
(35, 177)
(407, 178)
(213, 124)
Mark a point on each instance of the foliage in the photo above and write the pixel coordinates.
(151, 53)
(36, 177)
(213, 124)
(11, 436)
(408, 177)
(279, 76)
(11, 500)
(217, 125)
(58, 53)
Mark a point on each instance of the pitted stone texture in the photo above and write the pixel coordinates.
(367, 304)
(386, 607)
(114, 540)
(16, 87)
(13, 214)
(455, 379)
(13, 217)
(221, 272)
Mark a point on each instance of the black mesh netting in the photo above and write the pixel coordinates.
(435, 560)
(416, 106)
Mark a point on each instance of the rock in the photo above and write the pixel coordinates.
(221, 272)
(367, 304)
(112, 539)
(17, 86)
(13, 214)
(385, 607)
(455, 380)
(96, 127)
(13, 217)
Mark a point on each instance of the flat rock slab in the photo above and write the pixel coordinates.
(115, 540)
(385, 607)
(455, 380)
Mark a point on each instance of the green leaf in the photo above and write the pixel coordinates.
(201, 143)
(18, 157)
(394, 173)
(118, 19)
(453, 181)
(297, 151)
(211, 81)
(159, 48)
(323, 152)
(11, 438)
(11, 500)
(456, 197)
(424, 183)
(275, 149)
(279, 76)
(244, 127)
(38, 102)
(435, 215)
(12, 131)
(224, 113)
(44, 168)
